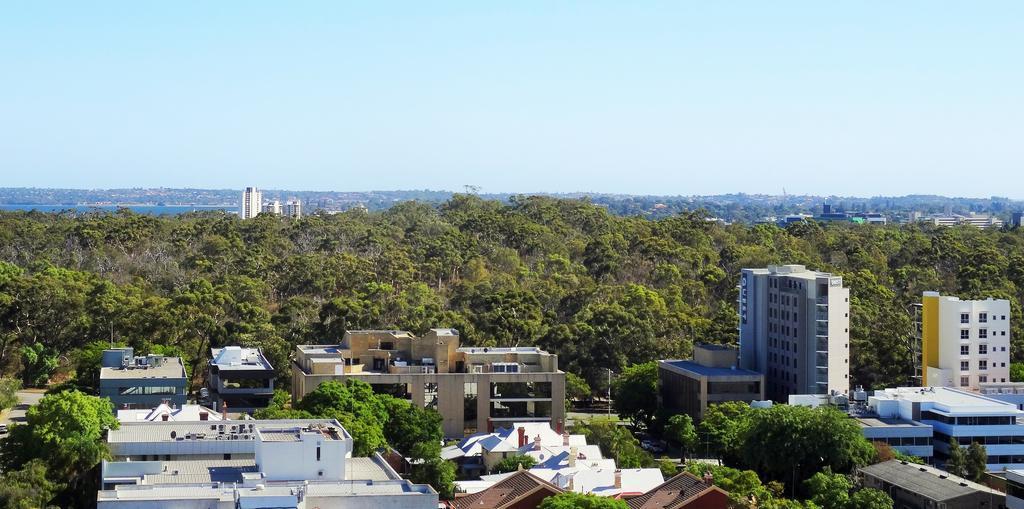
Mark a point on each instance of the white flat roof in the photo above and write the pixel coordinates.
(950, 401)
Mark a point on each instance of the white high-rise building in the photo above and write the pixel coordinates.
(964, 343)
(293, 208)
(795, 329)
(252, 203)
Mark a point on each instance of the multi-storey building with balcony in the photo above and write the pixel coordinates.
(132, 382)
(964, 343)
(241, 379)
(795, 329)
(474, 389)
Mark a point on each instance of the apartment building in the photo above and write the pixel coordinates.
(689, 386)
(132, 382)
(964, 343)
(252, 203)
(301, 464)
(795, 330)
(240, 379)
(273, 207)
(293, 208)
(474, 389)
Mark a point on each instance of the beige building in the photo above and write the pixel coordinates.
(474, 389)
(711, 377)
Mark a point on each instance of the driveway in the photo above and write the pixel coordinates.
(25, 400)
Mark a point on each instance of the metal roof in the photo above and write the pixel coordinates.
(927, 481)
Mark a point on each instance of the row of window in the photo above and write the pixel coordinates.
(982, 365)
(982, 317)
(965, 381)
(998, 420)
(904, 441)
(147, 391)
(982, 333)
(982, 349)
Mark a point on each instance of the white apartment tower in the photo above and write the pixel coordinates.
(273, 207)
(293, 208)
(795, 329)
(964, 343)
(252, 203)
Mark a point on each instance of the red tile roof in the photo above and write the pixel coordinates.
(506, 492)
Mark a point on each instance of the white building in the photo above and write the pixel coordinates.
(252, 203)
(169, 412)
(965, 343)
(293, 208)
(958, 415)
(301, 464)
(795, 329)
(272, 207)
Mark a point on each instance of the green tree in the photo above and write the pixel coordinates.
(812, 438)
(829, 490)
(576, 388)
(869, 498)
(615, 442)
(512, 463)
(412, 430)
(956, 464)
(636, 394)
(355, 405)
(680, 430)
(1017, 371)
(27, 488)
(9, 388)
(573, 500)
(438, 473)
(722, 426)
(977, 458)
(667, 466)
(66, 430)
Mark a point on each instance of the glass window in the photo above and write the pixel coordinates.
(982, 333)
(982, 365)
(965, 349)
(965, 318)
(965, 365)
(965, 381)
(982, 317)
(982, 349)
(965, 334)
(982, 379)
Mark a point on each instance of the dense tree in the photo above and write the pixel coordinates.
(573, 500)
(869, 498)
(680, 430)
(615, 442)
(513, 463)
(977, 458)
(27, 488)
(438, 473)
(576, 388)
(8, 393)
(354, 404)
(956, 464)
(636, 394)
(721, 429)
(412, 430)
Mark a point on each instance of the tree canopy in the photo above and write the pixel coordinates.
(572, 500)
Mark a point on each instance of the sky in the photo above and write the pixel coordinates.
(682, 97)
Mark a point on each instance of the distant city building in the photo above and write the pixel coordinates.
(713, 376)
(964, 343)
(304, 463)
(828, 215)
(1016, 219)
(795, 330)
(293, 209)
(272, 207)
(913, 486)
(132, 382)
(474, 389)
(252, 203)
(241, 379)
(977, 220)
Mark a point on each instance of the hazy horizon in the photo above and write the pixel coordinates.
(658, 98)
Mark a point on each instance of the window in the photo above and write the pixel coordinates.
(982, 365)
(318, 453)
(1003, 318)
(1003, 334)
(982, 379)
(965, 349)
(965, 334)
(982, 333)
(965, 381)
(965, 318)
(982, 349)
(965, 365)
(982, 317)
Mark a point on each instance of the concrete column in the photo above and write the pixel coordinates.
(558, 400)
(450, 396)
(418, 394)
(483, 402)
(703, 397)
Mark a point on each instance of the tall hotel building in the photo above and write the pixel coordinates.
(964, 343)
(252, 203)
(795, 330)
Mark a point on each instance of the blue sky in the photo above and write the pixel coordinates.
(699, 97)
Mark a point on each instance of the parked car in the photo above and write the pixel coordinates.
(3, 429)
(655, 446)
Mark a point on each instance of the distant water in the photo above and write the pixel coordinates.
(156, 210)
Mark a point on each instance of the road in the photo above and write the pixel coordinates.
(25, 400)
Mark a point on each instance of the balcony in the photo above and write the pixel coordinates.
(821, 345)
(401, 368)
(821, 316)
(822, 301)
(821, 376)
(821, 360)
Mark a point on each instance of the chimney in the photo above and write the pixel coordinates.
(618, 479)
(224, 410)
(204, 416)
(565, 439)
(574, 453)
(560, 426)
(164, 417)
(522, 436)
(536, 442)
(708, 478)
(490, 425)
